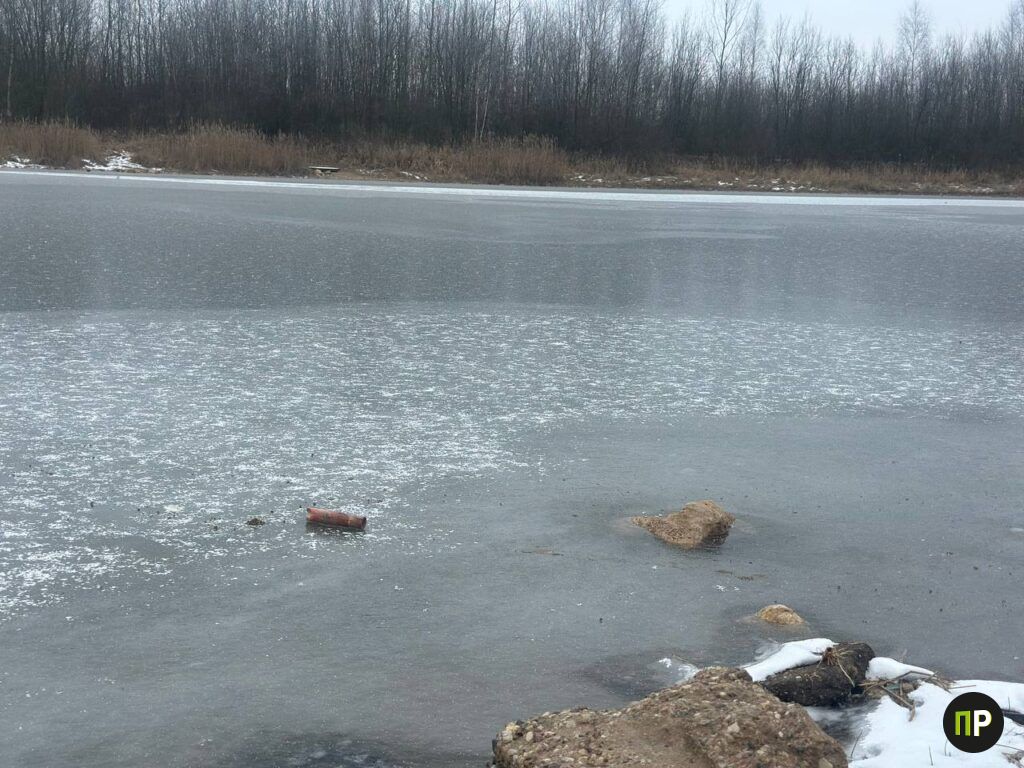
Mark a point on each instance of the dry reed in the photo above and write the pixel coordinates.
(531, 160)
(61, 144)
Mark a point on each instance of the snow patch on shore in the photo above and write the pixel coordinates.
(19, 162)
(890, 738)
(119, 162)
(883, 734)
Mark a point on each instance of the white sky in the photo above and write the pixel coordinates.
(868, 20)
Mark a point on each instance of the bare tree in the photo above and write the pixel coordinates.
(605, 75)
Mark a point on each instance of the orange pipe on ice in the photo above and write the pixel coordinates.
(331, 517)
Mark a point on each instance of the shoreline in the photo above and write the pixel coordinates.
(801, 704)
(529, 162)
(639, 185)
(341, 183)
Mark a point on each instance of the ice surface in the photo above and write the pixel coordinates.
(679, 671)
(174, 429)
(178, 429)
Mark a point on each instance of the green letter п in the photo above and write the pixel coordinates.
(964, 715)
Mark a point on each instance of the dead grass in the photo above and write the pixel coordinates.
(213, 148)
(530, 160)
(219, 149)
(688, 173)
(61, 144)
(533, 161)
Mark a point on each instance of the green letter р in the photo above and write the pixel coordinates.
(964, 715)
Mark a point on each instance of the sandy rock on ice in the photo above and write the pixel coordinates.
(779, 614)
(699, 523)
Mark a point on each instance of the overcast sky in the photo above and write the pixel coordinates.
(867, 20)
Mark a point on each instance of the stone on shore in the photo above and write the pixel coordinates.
(830, 682)
(719, 719)
(779, 614)
(699, 523)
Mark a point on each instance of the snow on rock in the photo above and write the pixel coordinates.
(883, 668)
(802, 652)
(796, 654)
(890, 739)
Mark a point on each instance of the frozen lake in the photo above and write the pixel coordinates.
(498, 381)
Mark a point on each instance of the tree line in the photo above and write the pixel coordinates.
(598, 75)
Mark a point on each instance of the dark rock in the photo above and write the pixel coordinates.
(832, 681)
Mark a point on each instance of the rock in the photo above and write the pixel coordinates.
(699, 523)
(779, 614)
(255, 521)
(720, 719)
(830, 682)
(511, 732)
